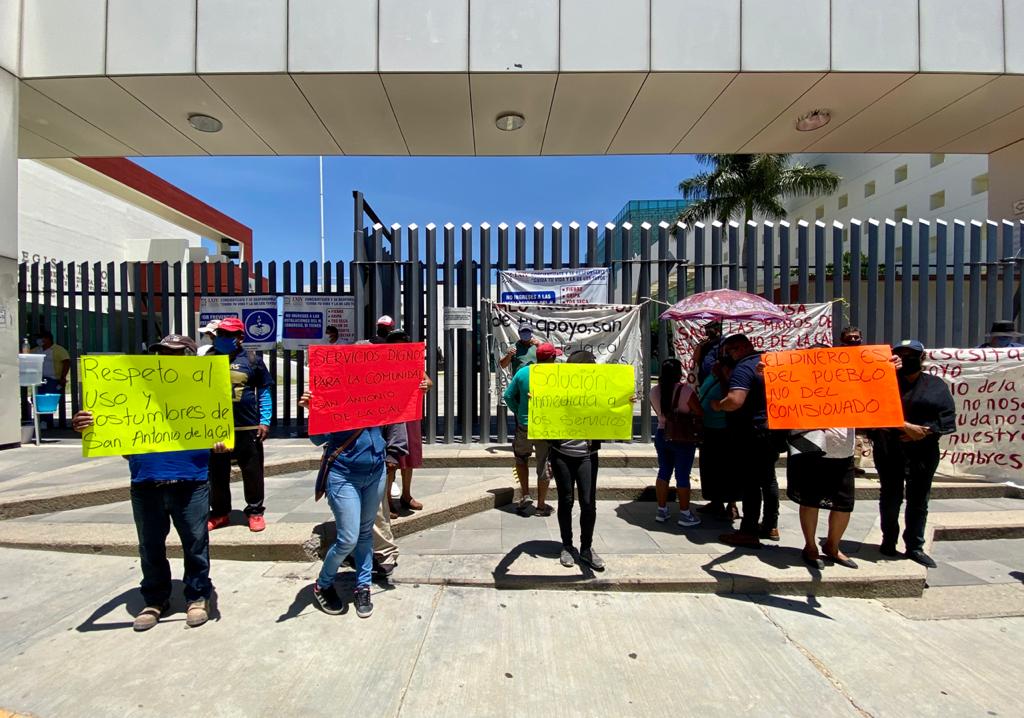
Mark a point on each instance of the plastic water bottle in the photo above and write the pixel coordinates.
(25, 348)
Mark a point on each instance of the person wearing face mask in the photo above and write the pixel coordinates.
(251, 387)
(907, 457)
(1002, 335)
(706, 354)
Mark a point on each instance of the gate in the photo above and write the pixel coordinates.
(941, 283)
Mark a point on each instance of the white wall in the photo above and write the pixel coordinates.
(63, 220)
(10, 419)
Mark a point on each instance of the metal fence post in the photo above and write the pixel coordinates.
(871, 333)
(923, 279)
(958, 282)
(941, 280)
(485, 334)
(501, 412)
(467, 378)
(431, 336)
(449, 337)
(644, 296)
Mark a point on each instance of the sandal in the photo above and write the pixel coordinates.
(149, 616)
(410, 503)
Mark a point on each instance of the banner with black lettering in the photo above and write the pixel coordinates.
(804, 326)
(610, 332)
(583, 285)
(988, 388)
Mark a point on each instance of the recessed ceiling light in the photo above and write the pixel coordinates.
(813, 120)
(510, 121)
(205, 123)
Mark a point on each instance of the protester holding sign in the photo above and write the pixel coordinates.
(355, 462)
(517, 399)
(574, 465)
(251, 384)
(908, 456)
(675, 402)
(755, 451)
(166, 488)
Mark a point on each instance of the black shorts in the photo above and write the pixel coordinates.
(817, 482)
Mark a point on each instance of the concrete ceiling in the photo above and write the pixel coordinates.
(566, 113)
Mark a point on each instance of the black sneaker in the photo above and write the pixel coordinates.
(566, 558)
(919, 556)
(364, 606)
(592, 559)
(328, 600)
(888, 549)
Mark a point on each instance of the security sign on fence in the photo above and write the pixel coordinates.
(258, 314)
(306, 318)
(554, 286)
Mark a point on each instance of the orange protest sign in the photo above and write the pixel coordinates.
(851, 387)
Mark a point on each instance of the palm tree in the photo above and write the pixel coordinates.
(742, 186)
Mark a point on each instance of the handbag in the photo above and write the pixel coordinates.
(682, 426)
(326, 461)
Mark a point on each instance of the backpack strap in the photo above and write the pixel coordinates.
(320, 487)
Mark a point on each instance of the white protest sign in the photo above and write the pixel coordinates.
(258, 314)
(610, 332)
(585, 285)
(306, 319)
(458, 317)
(804, 326)
(988, 389)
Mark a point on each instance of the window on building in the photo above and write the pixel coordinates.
(901, 174)
(936, 159)
(844, 200)
(869, 188)
(819, 212)
(937, 200)
(979, 184)
(900, 213)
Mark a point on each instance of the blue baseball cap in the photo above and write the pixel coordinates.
(912, 344)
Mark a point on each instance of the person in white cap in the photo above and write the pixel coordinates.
(385, 325)
(206, 335)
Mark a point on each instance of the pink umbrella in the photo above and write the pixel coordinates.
(724, 304)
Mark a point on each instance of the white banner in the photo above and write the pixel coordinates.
(306, 319)
(805, 325)
(258, 314)
(988, 388)
(610, 332)
(554, 286)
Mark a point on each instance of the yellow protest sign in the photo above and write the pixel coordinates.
(581, 401)
(149, 404)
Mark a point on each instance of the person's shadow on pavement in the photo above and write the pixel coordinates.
(537, 549)
(132, 602)
(344, 584)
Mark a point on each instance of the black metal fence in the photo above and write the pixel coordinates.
(941, 283)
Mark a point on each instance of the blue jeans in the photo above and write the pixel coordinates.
(155, 505)
(674, 456)
(354, 498)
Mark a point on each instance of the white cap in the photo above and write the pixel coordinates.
(210, 328)
(385, 321)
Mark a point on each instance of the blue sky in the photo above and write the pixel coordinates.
(279, 196)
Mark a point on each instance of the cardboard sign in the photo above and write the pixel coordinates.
(581, 401)
(150, 404)
(839, 387)
(364, 385)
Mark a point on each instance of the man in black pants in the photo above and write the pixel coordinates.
(251, 387)
(909, 455)
(755, 453)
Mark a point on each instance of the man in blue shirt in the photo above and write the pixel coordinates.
(517, 400)
(251, 384)
(755, 454)
(170, 487)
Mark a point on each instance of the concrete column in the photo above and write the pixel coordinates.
(10, 417)
(1006, 183)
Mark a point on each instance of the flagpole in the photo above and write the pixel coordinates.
(323, 257)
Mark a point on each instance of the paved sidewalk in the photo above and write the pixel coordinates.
(67, 650)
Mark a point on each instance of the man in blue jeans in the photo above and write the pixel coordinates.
(170, 487)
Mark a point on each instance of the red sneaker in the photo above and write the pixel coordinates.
(215, 522)
(256, 522)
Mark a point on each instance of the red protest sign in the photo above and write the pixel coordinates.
(839, 387)
(361, 385)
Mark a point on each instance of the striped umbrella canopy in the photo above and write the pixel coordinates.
(724, 304)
